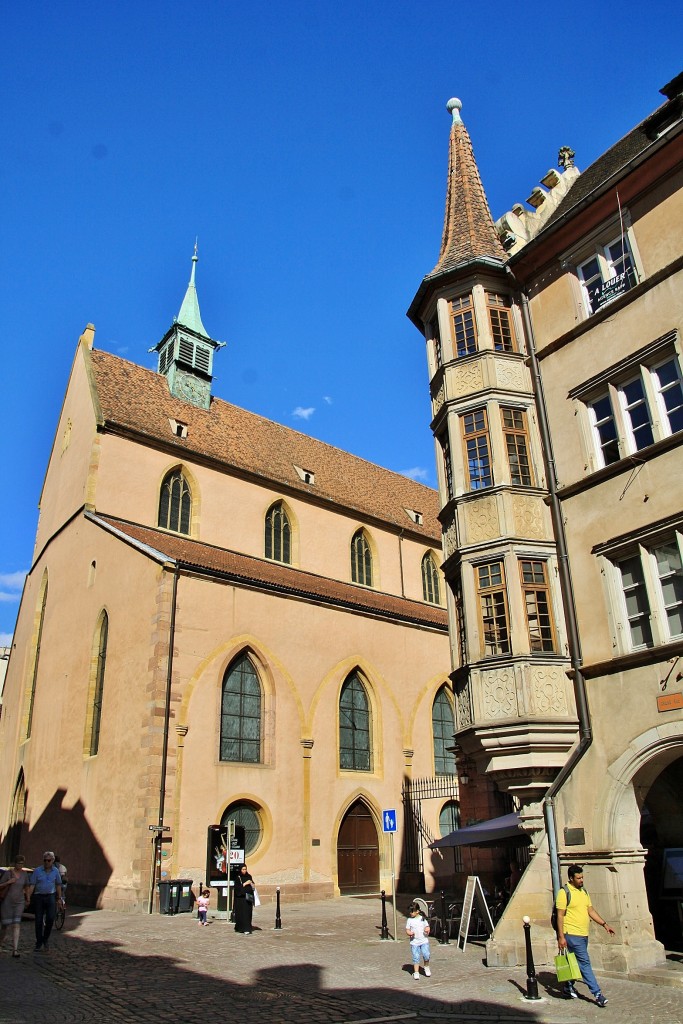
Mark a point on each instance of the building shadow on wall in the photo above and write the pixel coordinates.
(67, 832)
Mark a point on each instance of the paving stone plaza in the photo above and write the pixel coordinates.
(327, 965)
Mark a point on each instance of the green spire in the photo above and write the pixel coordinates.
(189, 315)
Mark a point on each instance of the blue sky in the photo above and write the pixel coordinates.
(305, 144)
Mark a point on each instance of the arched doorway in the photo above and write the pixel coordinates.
(661, 834)
(358, 852)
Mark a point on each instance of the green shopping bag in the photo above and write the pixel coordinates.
(566, 967)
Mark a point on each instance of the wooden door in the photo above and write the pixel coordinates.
(358, 852)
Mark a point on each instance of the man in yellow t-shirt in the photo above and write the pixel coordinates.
(574, 914)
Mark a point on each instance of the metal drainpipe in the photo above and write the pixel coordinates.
(567, 588)
(164, 750)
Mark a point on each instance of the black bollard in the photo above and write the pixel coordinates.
(384, 934)
(445, 939)
(531, 983)
(278, 919)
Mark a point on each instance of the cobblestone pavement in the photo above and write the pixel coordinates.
(327, 965)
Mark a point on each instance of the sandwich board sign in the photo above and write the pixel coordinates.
(474, 893)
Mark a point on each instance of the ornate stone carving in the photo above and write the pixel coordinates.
(482, 520)
(528, 515)
(463, 707)
(466, 379)
(500, 693)
(450, 538)
(439, 398)
(548, 691)
(511, 375)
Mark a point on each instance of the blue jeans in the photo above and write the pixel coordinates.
(578, 944)
(420, 951)
(45, 908)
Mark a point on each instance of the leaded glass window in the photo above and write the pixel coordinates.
(175, 503)
(278, 534)
(354, 726)
(241, 713)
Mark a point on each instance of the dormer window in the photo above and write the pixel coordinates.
(179, 429)
(306, 475)
(415, 516)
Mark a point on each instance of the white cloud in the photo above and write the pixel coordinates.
(5, 639)
(326, 398)
(416, 473)
(12, 580)
(303, 414)
(4, 596)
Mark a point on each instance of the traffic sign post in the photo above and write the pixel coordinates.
(389, 825)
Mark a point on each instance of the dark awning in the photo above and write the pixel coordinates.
(486, 833)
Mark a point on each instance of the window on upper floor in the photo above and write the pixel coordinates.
(500, 318)
(517, 445)
(447, 463)
(464, 326)
(649, 580)
(493, 609)
(241, 713)
(434, 335)
(537, 605)
(361, 559)
(354, 726)
(431, 588)
(443, 733)
(278, 534)
(175, 503)
(477, 449)
(607, 274)
(635, 405)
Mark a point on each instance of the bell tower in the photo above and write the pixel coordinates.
(514, 706)
(186, 351)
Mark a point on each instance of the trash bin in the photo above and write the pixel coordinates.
(169, 892)
(185, 895)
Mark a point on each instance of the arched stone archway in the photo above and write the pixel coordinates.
(358, 852)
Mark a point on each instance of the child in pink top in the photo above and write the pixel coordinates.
(203, 906)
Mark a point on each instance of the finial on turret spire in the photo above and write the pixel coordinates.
(454, 106)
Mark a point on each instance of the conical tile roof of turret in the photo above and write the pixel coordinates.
(468, 231)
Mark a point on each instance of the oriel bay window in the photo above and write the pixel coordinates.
(477, 449)
(493, 609)
(500, 319)
(517, 445)
(464, 326)
(537, 606)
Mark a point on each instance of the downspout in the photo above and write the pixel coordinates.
(164, 750)
(567, 588)
(400, 561)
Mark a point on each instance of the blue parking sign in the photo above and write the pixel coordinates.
(389, 820)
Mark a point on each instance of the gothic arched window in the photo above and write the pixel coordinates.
(354, 726)
(361, 559)
(430, 580)
(241, 713)
(278, 534)
(175, 503)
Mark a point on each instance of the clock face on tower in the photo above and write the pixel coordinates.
(190, 389)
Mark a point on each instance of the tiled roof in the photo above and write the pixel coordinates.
(617, 157)
(139, 400)
(468, 232)
(275, 577)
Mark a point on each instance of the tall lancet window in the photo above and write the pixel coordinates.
(361, 559)
(175, 503)
(278, 534)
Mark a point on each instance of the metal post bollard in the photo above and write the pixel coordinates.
(384, 934)
(445, 938)
(278, 919)
(531, 983)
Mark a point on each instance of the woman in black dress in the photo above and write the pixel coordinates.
(244, 900)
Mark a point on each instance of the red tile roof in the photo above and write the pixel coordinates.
(275, 577)
(138, 400)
